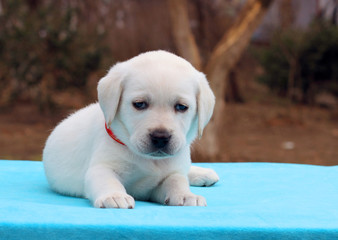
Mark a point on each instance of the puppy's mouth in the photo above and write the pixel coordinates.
(159, 154)
(155, 147)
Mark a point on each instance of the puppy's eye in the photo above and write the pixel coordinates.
(140, 105)
(181, 108)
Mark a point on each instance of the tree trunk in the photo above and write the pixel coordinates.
(183, 37)
(232, 92)
(287, 14)
(223, 58)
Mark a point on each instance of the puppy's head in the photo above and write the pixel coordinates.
(156, 103)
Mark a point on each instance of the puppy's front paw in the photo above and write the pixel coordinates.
(202, 177)
(115, 200)
(187, 199)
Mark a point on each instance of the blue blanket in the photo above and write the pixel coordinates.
(251, 201)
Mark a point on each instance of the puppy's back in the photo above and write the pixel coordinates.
(67, 150)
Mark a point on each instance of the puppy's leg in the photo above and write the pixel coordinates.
(199, 176)
(174, 191)
(104, 189)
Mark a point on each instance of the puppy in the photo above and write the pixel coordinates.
(135, 143)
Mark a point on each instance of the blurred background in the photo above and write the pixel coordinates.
(272, 64)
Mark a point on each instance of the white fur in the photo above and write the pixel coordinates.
(81, 159)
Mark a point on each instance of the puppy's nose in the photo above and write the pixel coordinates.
(160, 138)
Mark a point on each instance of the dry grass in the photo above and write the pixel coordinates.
(253, 132)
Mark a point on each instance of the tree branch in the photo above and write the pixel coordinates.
(183, 37)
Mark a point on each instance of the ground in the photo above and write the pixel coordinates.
(256, 131)
(270, 133)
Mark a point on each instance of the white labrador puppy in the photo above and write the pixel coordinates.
(135, 143)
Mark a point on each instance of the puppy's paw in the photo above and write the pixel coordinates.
(187, 199)
(115, 200)
(202, 177)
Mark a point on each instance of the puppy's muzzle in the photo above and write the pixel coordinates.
(160, 138)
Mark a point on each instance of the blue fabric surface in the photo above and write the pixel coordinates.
(251, 201)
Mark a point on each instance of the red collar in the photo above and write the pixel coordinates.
(112, 135)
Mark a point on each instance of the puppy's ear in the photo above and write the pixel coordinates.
(205, 104)
(109, 92)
